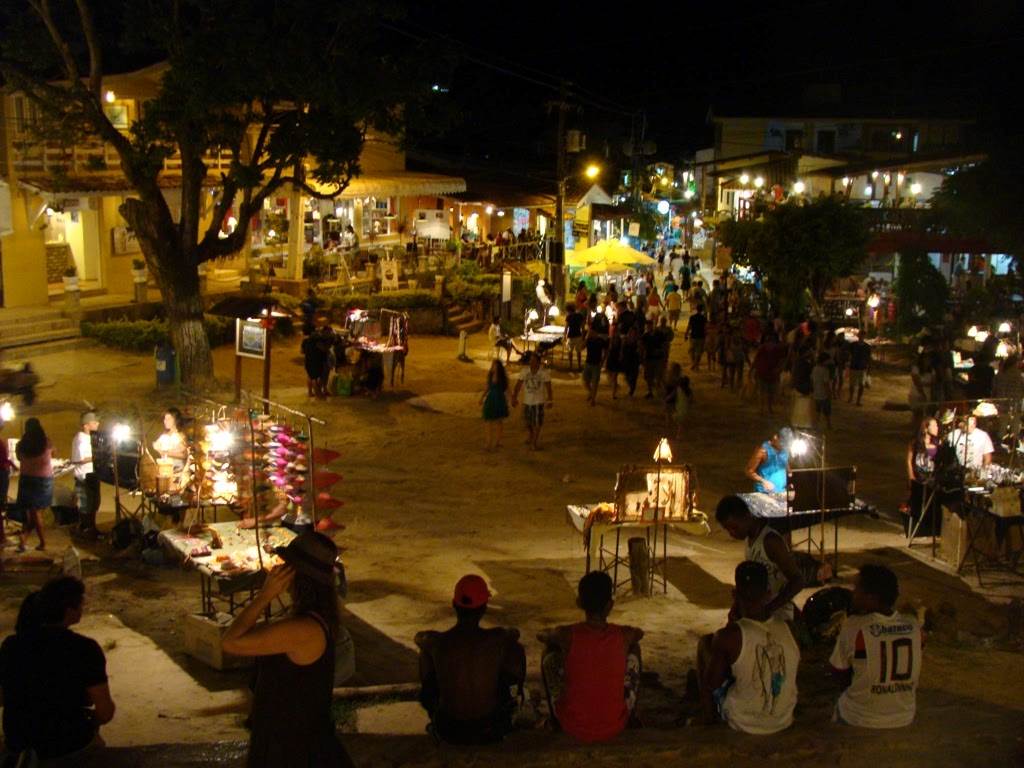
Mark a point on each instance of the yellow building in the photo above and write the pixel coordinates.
(59, 205)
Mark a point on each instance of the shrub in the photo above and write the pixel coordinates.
(144, 335)
(399, 300)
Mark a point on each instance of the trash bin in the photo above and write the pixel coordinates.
(166, 365)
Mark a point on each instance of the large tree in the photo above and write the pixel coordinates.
(286, 89)
(800, 248)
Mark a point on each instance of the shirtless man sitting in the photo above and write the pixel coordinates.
(467, 672)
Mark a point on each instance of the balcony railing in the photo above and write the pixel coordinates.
(91, 158)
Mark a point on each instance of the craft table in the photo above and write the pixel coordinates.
(772, 507)
(1002, 510)
(610, 559)
(216, 583)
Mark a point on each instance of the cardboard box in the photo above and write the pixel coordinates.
(953, 545)
(203, 634)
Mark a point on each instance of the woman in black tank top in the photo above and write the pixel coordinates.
(291, 709)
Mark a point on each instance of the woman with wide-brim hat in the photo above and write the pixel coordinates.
(291, 709)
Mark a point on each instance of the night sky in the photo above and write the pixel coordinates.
(674, 61)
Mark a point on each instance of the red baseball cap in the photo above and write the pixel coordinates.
(471, 592)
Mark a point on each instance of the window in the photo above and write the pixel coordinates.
(378, 216)
(26, 114)
(826, 142)
(794, 139)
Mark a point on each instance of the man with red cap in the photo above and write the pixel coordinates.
(467, 673)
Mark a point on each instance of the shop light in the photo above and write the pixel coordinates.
(500, 214)
(799, 187)
(972, 332)
(849, 311)
(451, 210)
(50, 211)
(110, 97)
(532, 315)
(887, 178)
(981, 337)
(553, 311)
(489, 210)
(1002, 349)
(338, 212)
(6, 411)
(744, 178)
(758, 181)
(664, 181)
(698, 223)
(663, 207)
(121, 433)
(868, 191)
(1004, 327)
(899, 135)
(899, 178)
(874, 174)
(688, 194)
(846, 181)
(271, 233)
(798, 447)
(915, 188)
(874, 301)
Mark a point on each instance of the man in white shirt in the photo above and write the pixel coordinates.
(535, 384)
(878, 655)
(973, 446)
(747, 672)
(87, 484)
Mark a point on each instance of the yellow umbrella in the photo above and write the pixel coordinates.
(602, 267)
(612, 251)
(573, 259)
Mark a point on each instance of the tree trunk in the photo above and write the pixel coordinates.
(178, 278)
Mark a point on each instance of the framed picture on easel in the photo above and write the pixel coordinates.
(250, 339)
(641, 490)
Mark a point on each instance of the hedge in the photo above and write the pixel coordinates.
(144, 335)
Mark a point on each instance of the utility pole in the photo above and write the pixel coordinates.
(556, 273)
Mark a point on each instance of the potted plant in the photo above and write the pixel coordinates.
(70, 278)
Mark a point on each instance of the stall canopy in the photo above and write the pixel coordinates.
(397, 184)
(611, 251)
(606, 267)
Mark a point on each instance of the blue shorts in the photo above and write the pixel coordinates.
(719, 695)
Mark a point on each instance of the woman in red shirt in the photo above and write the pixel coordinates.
(35, 487)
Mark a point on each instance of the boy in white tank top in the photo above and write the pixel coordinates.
(747, 673)
(877, 655)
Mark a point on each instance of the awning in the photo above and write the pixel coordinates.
(399, 184)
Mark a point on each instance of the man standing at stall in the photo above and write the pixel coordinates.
(87, 483)
(535, 384)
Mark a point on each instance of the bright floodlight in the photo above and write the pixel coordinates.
(110, 97)
(1004, 327)
(799, 187)
(6, 411)
(121, 433)
(972, 332)
(915, 188)
(592, 171)
(663, 207)
(798, 447)
(664, 451)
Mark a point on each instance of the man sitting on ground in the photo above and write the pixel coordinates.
(747, 669)
(877, 656)
(53, 680)
(591, 670)
(467, 673)
(766, 546)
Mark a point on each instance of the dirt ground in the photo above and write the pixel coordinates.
(424, 504)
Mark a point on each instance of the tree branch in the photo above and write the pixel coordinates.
(314, 193)
(95, 51)
(42, 9)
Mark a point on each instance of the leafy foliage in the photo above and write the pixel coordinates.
(921, 290)
(144, 335)
(800, 249)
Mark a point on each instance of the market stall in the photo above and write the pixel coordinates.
(651, 500)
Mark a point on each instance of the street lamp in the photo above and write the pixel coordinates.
(593, 171)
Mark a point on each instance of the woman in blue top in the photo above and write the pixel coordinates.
(768, 466)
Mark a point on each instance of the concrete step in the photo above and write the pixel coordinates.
(31, 339)
(13, 320)
(48, 348)
(9, 332)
